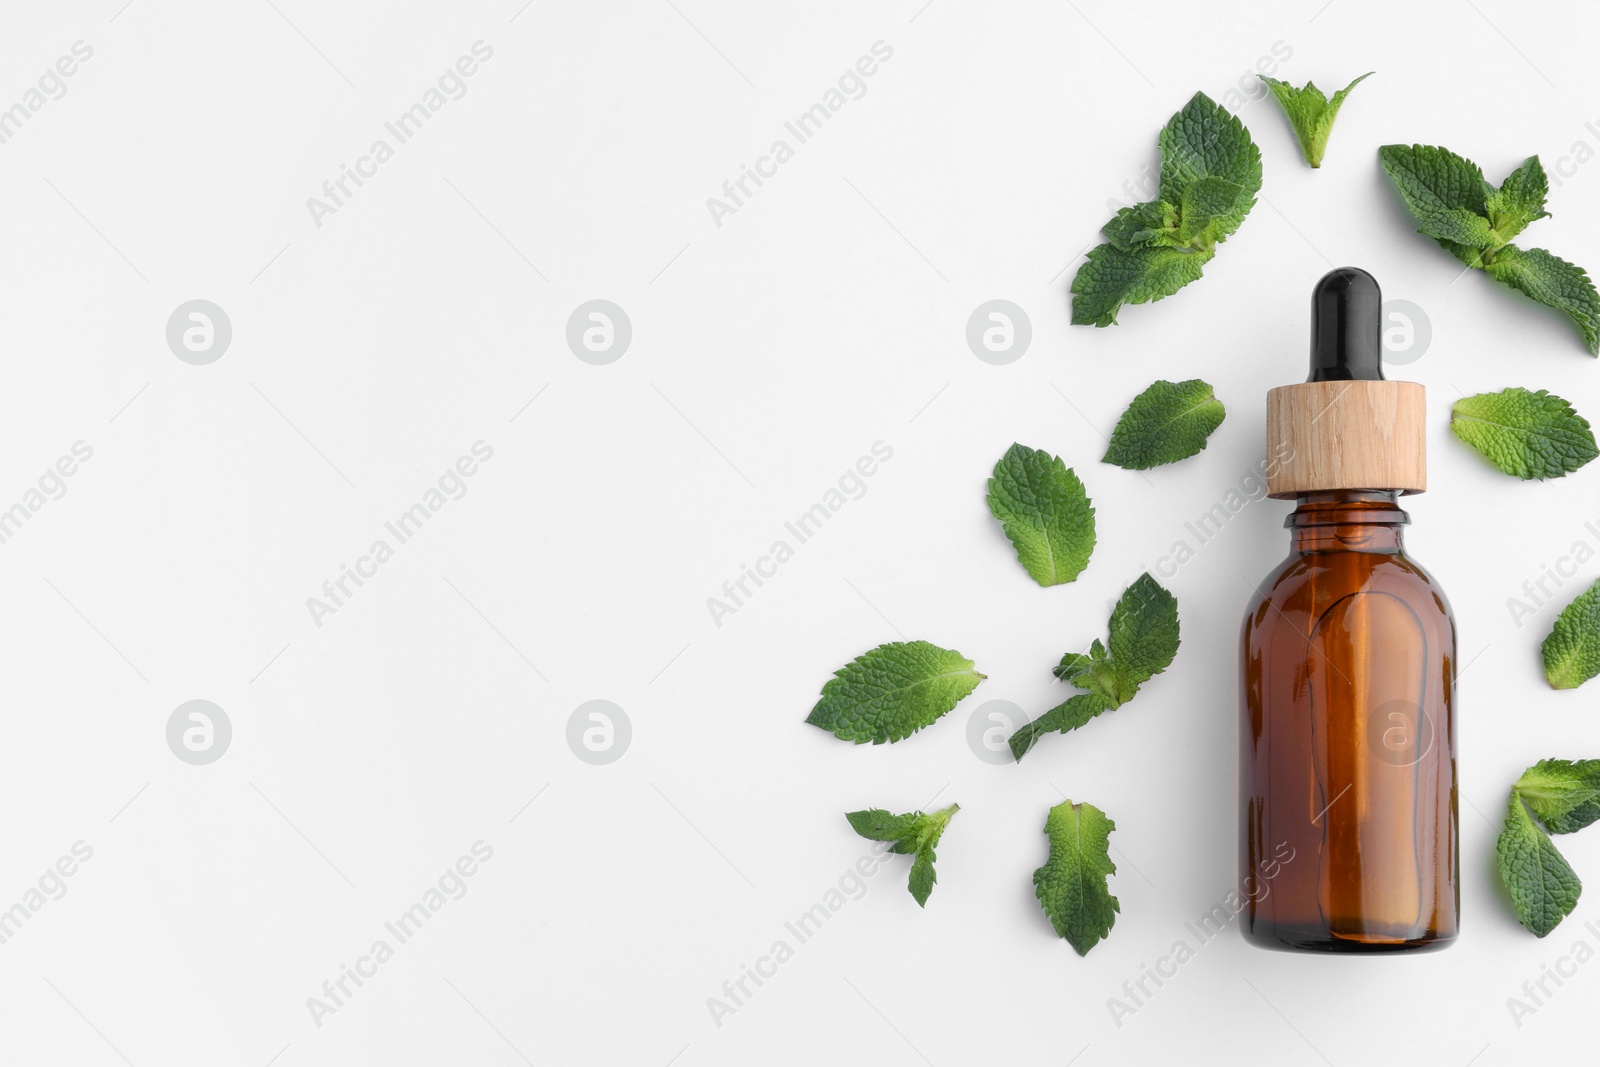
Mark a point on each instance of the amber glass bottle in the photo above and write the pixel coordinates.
(1347, 756)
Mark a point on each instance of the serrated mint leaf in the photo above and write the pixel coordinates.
(1310, 113)
(1564, 794)
(1543, 887)
(1071, 886)
(1434, 181)
(1553, 282)
(893, 691)
(1144, 634)
(1210, 174)
(912, 834)
(1530, 435)
(876, 824)
(1167, 422)
(1206, 141)
(1045, 513)
(1112, 277)
(1519, 200)
(1068, 715)
(1144, 640)
(1571, 653)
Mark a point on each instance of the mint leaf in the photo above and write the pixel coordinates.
(1434, 181)
(1144, 634)
(1531, 435)
(1553, 282)
(1071, 886)
(1112, 277)
(1206, 141)
(1167, 422)
(1068, 715)
(1045, 513)
(1210, 174)
(1310, 113)
(1564, 794)
(893, 691)
(876, 824)
(1144, 640)
(913, 834)
(1519, 200)
(1571, 653)
(1543, 887)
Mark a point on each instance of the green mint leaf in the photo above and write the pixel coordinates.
(893, 691)
(1071, 886)
(1068, 715)
(1167, 422)
(1144, 640)
(1564, 794)
(913, 834)
(1543, 887)
(1571, 653)
(1045, 513)
(1310, 113)
(1144, 634)
(876, 824)
(1553, 282)
(1519, 200)
(1206, 141)
(1434, 182)
(1112, 277)
(1530, 435)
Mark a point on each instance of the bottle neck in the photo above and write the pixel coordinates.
(1347, 520)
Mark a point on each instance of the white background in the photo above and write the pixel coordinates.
(827, 313)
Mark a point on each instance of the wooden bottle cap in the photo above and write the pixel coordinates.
(1347, 435)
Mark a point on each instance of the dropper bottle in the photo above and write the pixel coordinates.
(1347, 774)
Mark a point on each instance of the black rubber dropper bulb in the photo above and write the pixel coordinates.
(1347, 327)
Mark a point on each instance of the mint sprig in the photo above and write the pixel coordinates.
(1071, 886)
(1565, 796)
(1475, 222)
(1310, 113)
(912, 834)
(1167, 422)
(1528, 434)
(1143, 641)
(893, 691)
(1210, 174)
(1045, 513)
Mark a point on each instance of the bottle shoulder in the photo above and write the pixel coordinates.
(1310, 581)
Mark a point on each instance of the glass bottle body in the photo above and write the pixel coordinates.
(1347, 758)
